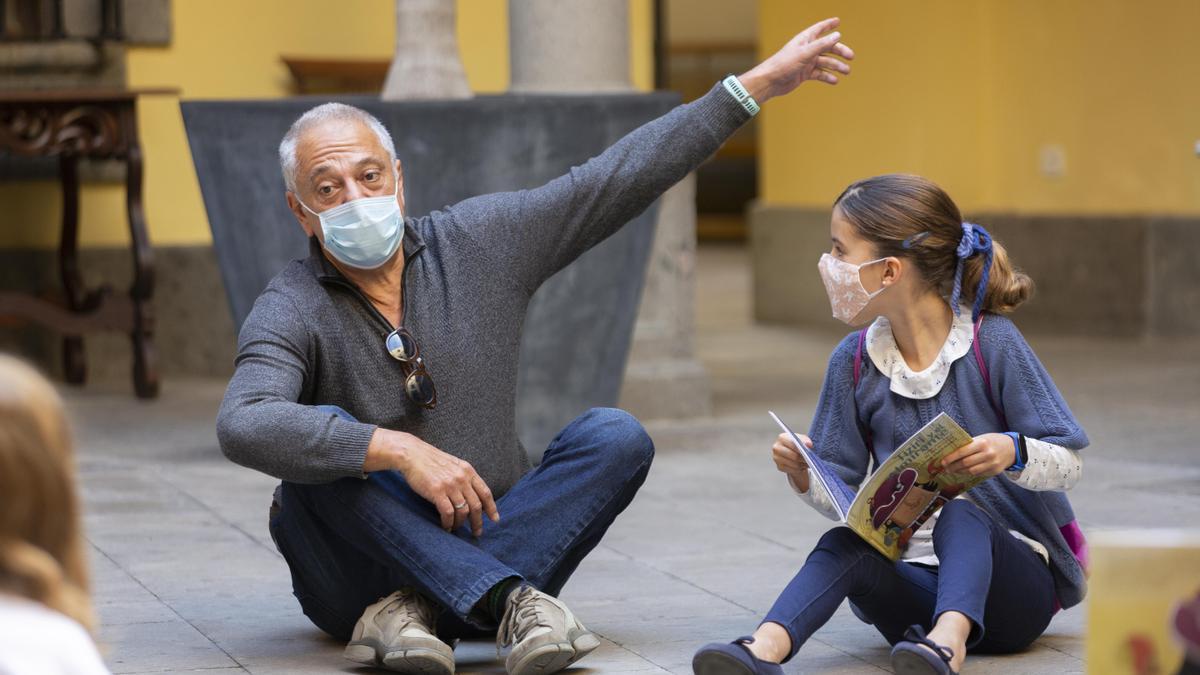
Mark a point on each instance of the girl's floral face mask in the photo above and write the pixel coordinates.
(843, 283)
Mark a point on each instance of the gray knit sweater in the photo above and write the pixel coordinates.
(471, 269)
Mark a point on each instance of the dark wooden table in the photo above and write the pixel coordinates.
(72, 124)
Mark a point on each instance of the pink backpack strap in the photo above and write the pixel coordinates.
(987, 378)
(1078, 544)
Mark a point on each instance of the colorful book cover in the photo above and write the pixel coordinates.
(908, 488)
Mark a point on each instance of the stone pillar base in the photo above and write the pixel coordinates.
(666, 388)
(663, 378)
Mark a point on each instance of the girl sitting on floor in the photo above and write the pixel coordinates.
(988, 573)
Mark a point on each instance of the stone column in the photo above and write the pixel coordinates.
(663, 378)
(582, 47)
(571, 46)
(426, 64)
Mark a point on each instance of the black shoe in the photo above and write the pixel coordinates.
(909, 658)
(733, 658)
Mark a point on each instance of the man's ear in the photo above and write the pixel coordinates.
(298, 211)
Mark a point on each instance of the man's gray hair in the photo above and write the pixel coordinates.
(327, 112)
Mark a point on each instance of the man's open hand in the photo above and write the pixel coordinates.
(447, 482)
(815, 54)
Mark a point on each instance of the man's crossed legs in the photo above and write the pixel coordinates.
(351, 542)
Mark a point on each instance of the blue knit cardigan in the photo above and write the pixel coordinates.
(1023, 390)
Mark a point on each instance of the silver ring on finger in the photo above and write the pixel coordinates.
(460, 507)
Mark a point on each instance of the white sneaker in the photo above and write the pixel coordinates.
(545, 636)
(397, 633)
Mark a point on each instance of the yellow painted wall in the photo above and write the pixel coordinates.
(641, 44)
(971, 93)
(720, 22)
(231, 49)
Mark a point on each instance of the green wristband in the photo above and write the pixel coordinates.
(735, 88)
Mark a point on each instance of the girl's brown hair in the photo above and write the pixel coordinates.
(41, 543)
(910, 217)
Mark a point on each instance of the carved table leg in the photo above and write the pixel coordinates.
(145, 360)
(74, 365)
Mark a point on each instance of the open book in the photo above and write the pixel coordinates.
(904, 491)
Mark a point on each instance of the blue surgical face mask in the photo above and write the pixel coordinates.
(363, 233)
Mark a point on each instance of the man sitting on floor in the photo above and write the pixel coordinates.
(395, 489)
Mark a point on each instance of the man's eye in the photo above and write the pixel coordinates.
(372, 175)
(325, 190)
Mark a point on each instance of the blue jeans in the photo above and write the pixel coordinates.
(352, 541)
(996, 580)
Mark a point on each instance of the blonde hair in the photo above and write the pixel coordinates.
(910, 217)
(41, 542)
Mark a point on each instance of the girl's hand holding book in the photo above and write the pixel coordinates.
(986, 455)
(789, 460)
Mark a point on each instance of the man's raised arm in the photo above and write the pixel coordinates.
(531, 234)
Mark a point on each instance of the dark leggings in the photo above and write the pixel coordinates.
(996, 580)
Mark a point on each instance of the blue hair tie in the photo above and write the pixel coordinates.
(975, 240)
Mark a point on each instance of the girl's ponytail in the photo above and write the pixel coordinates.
(1006, 287)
